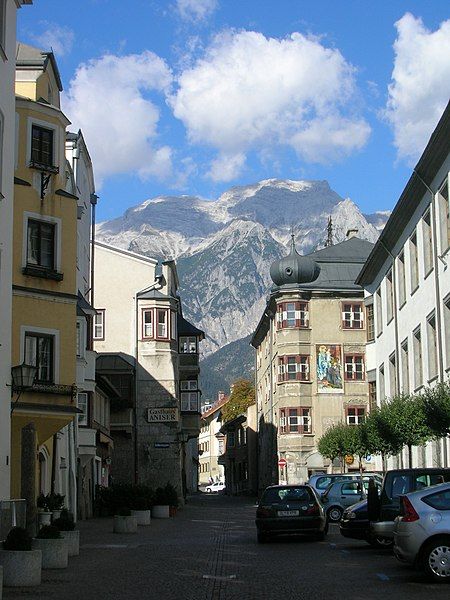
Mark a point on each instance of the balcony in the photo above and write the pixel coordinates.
(190, 424)
(122, 420)
(87, 442)
(189, 363)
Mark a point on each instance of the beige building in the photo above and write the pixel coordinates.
(310, 358)
(211, 443)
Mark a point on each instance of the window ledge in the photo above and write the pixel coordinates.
(295, 381)
(3, 54)
(434, 378)
(428, 272)
(402, 304)
(43, 167)
(417, 389)
(414, 290)
(36, 271)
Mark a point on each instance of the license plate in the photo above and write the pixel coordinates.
(288, 513)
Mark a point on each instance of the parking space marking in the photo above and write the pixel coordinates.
(383, 577)
(219, 577)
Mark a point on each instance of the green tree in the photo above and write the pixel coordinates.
(335, 442)
(436, 407)
(242, 396)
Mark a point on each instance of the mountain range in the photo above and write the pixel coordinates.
(224, 249)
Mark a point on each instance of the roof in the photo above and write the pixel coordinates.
(83, 306)
(106, 386)
(152, 295)
(114, 361)
(29, 57)
(426, 170)
(215, 407)
(186, 328)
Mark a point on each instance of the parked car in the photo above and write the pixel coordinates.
(395, 484)
(422, 531)
(355, 522)
(321, 481)
(217, 486)
(290, 509)
(342, 494)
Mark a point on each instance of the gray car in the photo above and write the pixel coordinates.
(422, 531)
(342, 494)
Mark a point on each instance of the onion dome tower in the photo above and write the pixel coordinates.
(294, 269)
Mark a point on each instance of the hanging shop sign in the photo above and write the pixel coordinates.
(162, 415)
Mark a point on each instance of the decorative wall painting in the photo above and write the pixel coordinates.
(329, 369)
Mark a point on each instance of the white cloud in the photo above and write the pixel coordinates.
(420, 86)
(107, 99)
(59, 39)
(227, 167)
(195, 10)
(249, 92)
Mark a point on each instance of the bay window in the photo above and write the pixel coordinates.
(189, 395)
(292, 315)
(41, 146)
(162, 317)
(82, 403)
(293, 368)
(188, 345)
(147, 323)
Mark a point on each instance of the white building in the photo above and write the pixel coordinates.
(8, 10)
(407, 279)
(211, 443)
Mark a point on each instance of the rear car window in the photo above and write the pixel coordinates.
(438, 500)
(398, 486)
(351, 488)
(323, 482)
(298, 494)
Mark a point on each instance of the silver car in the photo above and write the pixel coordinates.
(422, 531)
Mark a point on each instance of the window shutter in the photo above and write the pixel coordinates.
(298, 366)
(297, 314)
(279, 316)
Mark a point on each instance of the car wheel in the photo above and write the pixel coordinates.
(436, 559)
(380, 542)
(208, 490)
(334, 514)
(262, 537)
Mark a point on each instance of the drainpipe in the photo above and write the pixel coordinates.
(136, 363)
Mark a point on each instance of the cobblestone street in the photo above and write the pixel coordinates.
(209, 552)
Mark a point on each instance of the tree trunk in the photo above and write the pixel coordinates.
(410, 455)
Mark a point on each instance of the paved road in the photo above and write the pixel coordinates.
(209, 552)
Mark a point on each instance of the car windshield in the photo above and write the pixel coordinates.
(285, 494)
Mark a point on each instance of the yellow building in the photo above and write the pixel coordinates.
(44, 272)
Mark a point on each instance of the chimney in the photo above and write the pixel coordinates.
(351, 233)
(220, 396)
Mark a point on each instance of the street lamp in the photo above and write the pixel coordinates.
(22, 377)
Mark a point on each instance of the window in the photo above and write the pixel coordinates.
(393, 389)
(173, 325)
(413, 262)
(405, 367)
(401, 278)
(372, 395)
(379, 306)
(444, 209)
(352, 488)
(147, 323)
(438, 500)
(41, 146)
(354, 367)
(356, 415)
(188, 385)
(293, 368)
(370, 323)
(82, 403)
(427, 243)
(432, 346)
(162, 323)
(292, 314)
(39, 353)
(352, 315)
(79, 340)
(389, 297)
(417, 347)
(99, 324)
(188, 345)
(41, 244)
(189, 402)
(295, 420)
(230, 439)
(382, 383)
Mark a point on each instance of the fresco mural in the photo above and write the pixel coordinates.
(329, 369)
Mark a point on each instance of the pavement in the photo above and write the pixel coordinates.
(208, 551)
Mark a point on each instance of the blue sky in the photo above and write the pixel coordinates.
(195, 96)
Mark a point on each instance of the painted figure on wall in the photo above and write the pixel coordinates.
(329, 369)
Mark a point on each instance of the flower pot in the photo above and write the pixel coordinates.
(56, 514)
(160, 511)
(143, 517)
(124, 524)
(54, 553)
(45, 518)
(21, 568)
(172, 511)
(73, 541)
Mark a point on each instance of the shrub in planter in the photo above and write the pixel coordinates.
(66, 526)
(21, 565)
(141, 509)
(54, 548)
(161, 505)
(44, 512)
(124, 522)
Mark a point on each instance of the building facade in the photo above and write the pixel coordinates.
(8, 11)
(143, 326)
(44, 304)
(407, 282)
(211, 443)
(310, 358)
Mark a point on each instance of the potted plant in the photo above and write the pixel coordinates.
(44, 512)
(55, 504)
(21, 565)
(124, 522)
(161, 509)
(53, 547)
(141, 509)
(66, 526)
